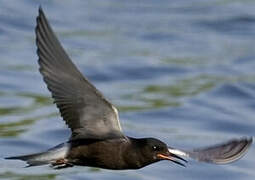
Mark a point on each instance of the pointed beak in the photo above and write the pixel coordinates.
(172, 157)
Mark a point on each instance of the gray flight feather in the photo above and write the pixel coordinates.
(86, 112)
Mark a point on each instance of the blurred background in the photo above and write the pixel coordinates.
(181, 71)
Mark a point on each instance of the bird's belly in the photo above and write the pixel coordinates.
(97, 155)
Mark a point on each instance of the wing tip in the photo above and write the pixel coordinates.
(40, 13)
(40, 9)
(224, 153)
(247, 142)
(38, 20)
(250, 140)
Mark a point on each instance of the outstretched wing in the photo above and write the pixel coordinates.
(219, 154)
(82, 106)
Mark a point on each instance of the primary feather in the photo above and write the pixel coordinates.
(81, 105)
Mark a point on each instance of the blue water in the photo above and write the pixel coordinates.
(181, 71)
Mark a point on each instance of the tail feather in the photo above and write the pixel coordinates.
(32, 159)
(46, 157)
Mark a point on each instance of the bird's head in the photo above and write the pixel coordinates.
(153, 150)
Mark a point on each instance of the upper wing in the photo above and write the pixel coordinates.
(82, 106)
(219, 154)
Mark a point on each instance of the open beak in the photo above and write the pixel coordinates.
(172, 157)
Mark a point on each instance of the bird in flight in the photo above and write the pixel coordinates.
(97, 139)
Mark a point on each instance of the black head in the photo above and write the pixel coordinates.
(153, 150)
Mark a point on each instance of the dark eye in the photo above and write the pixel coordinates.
(155, 148)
